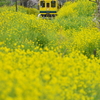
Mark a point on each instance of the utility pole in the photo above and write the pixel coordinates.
(97, 17)
(16, 6)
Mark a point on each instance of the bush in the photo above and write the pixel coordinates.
(32, 11)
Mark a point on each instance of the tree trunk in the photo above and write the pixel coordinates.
(23, 3)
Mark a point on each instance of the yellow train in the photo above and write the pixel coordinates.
(48, 8)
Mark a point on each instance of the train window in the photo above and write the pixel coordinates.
(42, 3)
(53, 3)
(48, 4)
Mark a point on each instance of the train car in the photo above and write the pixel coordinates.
(48, 8)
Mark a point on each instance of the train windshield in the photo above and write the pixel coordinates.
(42, 3)
(53, 3)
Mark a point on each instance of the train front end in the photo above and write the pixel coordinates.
(48, 8)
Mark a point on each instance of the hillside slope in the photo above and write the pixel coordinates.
(49, 59)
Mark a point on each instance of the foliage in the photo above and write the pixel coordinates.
(32, 11)
(48, 76)
(49, 59)
(4, 2)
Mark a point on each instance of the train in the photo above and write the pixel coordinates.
(49, 8)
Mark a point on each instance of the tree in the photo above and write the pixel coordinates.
(28, 3)
(31, 3)
(70, 0)
(4, 2)
(63, 1)
(23, 3)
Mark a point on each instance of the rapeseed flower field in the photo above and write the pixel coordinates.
(50, 59)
